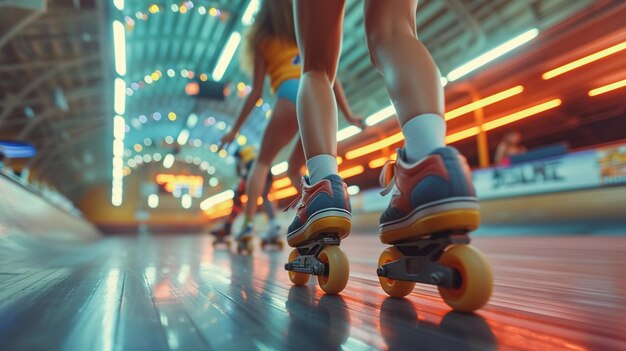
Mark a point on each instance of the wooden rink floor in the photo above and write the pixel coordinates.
(178, 293)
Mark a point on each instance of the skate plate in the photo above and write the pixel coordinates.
(308, 262)
(419, 261)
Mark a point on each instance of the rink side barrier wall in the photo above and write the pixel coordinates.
(25, 211)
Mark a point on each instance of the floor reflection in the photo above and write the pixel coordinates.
(316, 323)
(166, 293)
(402, 328)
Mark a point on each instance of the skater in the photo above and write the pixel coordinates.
(431, 182)
(271, 49)
(245, 157)
(510, 145)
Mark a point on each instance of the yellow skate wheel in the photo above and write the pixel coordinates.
(338, 270)
(476, 278)
(250, 246)
(395, 288)
(245, 245)
(296, 277)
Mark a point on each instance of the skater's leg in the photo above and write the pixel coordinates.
(410, 74)
(234, 212)
(296, 163)
(446, 201)
(284, 119)
(319, 30)
(268, 206)
(326, 203)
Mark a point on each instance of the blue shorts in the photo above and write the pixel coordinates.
(288, 90)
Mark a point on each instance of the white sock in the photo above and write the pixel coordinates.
(321, 166)
(422, 135)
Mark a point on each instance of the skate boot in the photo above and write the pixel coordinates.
(245, 240)
(322, 221)
(433, 207)
(222, 238)
(272, 238)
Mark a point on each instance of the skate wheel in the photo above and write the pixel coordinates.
(245, 245)
(476, 278)
(394, 288)
(296, 277)
(338, 270)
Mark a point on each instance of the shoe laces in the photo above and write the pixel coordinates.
(293, 203)
(296, 200)
(387, 177)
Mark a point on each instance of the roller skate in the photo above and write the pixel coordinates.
(432, 210)
(245, 240)
(222, 238)
(272, 238)
(322, 221)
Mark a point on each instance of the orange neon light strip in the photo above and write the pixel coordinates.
(376, 163)
(454, 137)
(218, 208)
(514, 117)
(367, 149)
(451, 138)
(607, 88)
(489, 100)
(221, 213)
(584, 61)
(281, 183)
(351, 172)
(379, 162)
(281, 194)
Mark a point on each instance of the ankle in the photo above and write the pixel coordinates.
(321, 166)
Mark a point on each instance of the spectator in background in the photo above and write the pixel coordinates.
(509, 146)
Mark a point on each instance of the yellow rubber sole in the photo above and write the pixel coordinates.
(332, 224)
(465, 220)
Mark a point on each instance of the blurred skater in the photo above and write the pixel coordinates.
(245, 158)
(270, 48)
(510, 145)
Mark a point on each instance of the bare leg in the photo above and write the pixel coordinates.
(410, 74)
(283, 119)
(318, 30)
(268, 206)
(237, 206)
(296, 162)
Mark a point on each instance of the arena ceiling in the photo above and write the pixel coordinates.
(57, 73)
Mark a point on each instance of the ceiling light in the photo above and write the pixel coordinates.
(492, 54)
(119, 102)
(226, 56)
(119, 45)
(348, 132)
